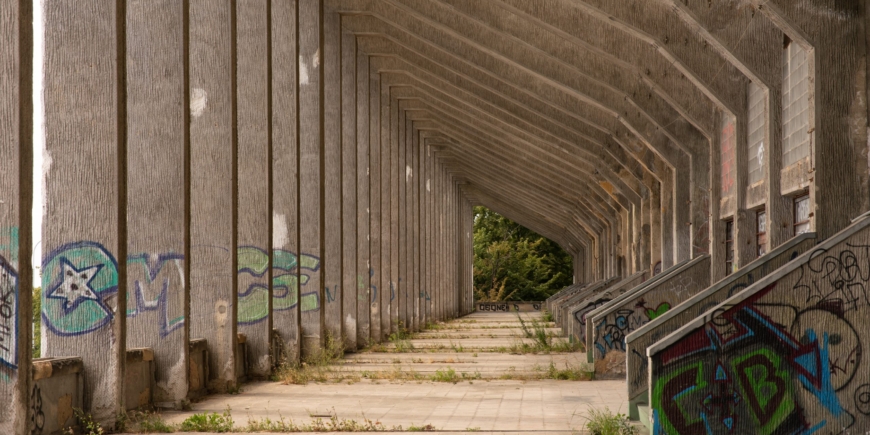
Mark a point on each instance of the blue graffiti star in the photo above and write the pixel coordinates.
(74, 285)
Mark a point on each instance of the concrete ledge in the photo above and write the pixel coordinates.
(198, 368)
(57, 390)
(510, 307)
(139, 378)
(576, 313)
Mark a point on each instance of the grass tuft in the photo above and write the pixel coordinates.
(606, 423)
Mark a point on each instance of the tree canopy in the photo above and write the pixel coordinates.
(513, 263)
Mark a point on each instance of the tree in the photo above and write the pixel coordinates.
(513, 263)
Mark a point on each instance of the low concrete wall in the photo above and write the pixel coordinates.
(242, 358)
(785, 355)
(635, 309)
(638, 341)
(57, 390)
(561, 307)
(562, 293)
(139, 378)
(198, 369)
(577, 312)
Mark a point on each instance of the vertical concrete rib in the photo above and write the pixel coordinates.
(332, 176)
(213, 143)
(16, 198)
(363, 213)
(402, 284)
(254, 211)
(351, 293)
(386, 234)
(83, 237)
(414, 162)
(393, 177)
(375, 272)
(286, 262)
(157, 297)
(311, 167)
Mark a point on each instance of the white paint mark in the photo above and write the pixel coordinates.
(198, 101)
(303, 71)
(349, 323)
(760, 155)
(315, 59)
(280, 233)
(368, 210)
(175, 385)
(428, 188)
(264, 365)
(408, 173)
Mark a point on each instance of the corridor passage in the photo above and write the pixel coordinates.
(475, 373)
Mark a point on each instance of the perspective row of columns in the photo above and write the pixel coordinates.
(211, 169)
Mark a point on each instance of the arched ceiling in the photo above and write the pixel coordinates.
(571, 116)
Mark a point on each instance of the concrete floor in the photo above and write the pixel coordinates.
(486, 404)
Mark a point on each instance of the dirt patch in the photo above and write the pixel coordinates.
(613, 364)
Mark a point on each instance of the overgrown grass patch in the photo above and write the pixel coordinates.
(604, 422)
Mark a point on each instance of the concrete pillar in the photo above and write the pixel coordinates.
(255, 231)
(414, 189)
(288, 291)
(363, 215)
(213, 182)
(157, 208)
(427, 239)
(393, 178)
(84, 285)
(646, 233)
(388, 289)
(655, 223)
(668, 221)
(351, 292)
(332, 176)
(403, 284)
(375, 189)
(311, 162)
(16, 168)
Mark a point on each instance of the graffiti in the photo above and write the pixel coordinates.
(493, 307)
(657, 269)
(613, 329)
(374, 287)
(37, 415)
(580, 316)
(330, 296)
(392, 291)
(151, 294)
(252, 269)
(764, 362)
(653, 313)
(837, 280)
(8, 315)
(79, 277)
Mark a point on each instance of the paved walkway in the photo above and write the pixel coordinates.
(460, 376)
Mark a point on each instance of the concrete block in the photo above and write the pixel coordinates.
(139, 378)
(58, 385)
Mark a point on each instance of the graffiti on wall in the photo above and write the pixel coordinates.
(151, 293)
(37, 415)
(79, 278)
(580, 316)
(253, 266)
(8, 315)
(785, 360)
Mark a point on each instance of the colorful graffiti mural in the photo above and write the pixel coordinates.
(786, 359)
(253, 265)
(78, 278)
(151, 293)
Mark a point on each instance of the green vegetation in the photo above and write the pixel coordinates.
(315, 367)
(211, 422)
(513, 263)
(606, 423)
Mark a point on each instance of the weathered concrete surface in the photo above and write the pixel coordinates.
(213, 188)
(16, 149)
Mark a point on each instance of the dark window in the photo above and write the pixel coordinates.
(761, 232)
(802, 214)
(729, 246)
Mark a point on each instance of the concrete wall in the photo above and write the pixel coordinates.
(58, 385)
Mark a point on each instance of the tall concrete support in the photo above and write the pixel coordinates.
(332, 176)
(311, 163)
(16, 197)
(403, 283)
(365, 291)
(289, 290)
(254, 202)
(213, 187)
(375, 242)
(414, 187)
(393, 180)
(86, 138)
(386, 161)
(158, 241)
(351, 293)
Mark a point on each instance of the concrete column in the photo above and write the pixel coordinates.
(668, 221)
(394, 197)
(255, 188)
(84, 285)
(428, 257)
(646, 233)
(311, 162)
(402, 282)
(375, 242)
(388, 289)
(16, 168)
(351, 292)
(287, 262)
(363, 214)
(414, 189)
(655, 223)
(213, 182)
(157, 209)
(332, 176)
